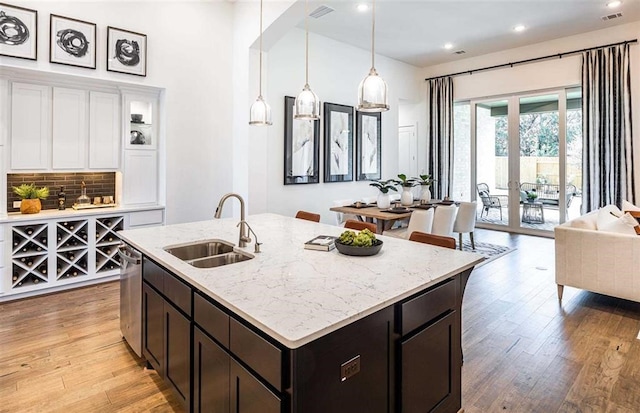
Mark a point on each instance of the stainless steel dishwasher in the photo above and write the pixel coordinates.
(131, 296)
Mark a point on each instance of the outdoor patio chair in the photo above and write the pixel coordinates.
(488, 201)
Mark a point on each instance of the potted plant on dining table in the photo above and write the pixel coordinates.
(384, 200)
(406, 197)
(425, 182)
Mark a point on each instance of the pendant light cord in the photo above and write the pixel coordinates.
(373, 34)
(260, 81)
(306, 47)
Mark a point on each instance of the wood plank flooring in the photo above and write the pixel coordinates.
(523, 352)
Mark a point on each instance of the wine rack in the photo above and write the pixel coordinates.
(107, 242)
(72, 248)
(29, 263)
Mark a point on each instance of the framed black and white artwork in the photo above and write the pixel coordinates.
(72, 42)
(301, 148)
(18, 32)
(368, 146)
(338, 143)
(126, 52)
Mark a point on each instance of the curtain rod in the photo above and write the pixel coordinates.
(535, 59)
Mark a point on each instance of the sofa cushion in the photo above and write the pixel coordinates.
(588, 221)
(626, 224)
(608, 214)
(628, 206)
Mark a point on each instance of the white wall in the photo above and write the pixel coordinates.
(555, 73)
(193, 62)
(335, 72)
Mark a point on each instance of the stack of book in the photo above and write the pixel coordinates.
(321, 243)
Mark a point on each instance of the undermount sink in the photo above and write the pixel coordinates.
(208, 254)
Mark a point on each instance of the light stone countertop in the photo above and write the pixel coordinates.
(70, 213)
(297, 295)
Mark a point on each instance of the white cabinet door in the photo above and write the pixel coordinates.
(30, 126)
(140, 176)
(104, 130)
(69, 128)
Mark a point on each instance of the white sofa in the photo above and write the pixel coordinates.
(599, 261)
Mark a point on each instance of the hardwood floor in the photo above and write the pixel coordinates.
(523, 352)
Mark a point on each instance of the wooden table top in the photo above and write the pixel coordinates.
(372, 212)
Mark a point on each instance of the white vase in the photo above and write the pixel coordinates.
(425, 195)
(384, 201)
(406, 198)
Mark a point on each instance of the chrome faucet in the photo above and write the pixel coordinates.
(243, 238)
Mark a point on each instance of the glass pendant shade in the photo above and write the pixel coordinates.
(260, 113)
(372, 93)
(307, 105)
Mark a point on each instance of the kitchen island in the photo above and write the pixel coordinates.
(296, 330)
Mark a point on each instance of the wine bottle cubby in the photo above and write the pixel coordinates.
(107, 241)
(29, 255)
(72, 248)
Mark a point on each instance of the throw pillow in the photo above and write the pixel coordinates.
(628, 206)
(585, 222)
(626, 224)
(607, 215)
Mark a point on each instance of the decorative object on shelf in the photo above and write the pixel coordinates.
(372, 92)
(31, 196)
(363, 243)
(368, 146)
(301, 148)
(260, 111)
(407, 183)
(425, 182)
(338, 143)
(126, 51)
(83, 199)
(72, 42)
(136, 118)
(384, 200)
(307, 104)
(62, 199)
(18, 32)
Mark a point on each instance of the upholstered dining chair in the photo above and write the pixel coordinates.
(443, 220)
(438, 240)
(360, 225)
(465, 221)
(341, 217)
(421, 220)
(309, 216)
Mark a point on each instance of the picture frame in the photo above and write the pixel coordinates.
(22, 40)
(72, 42)
(338, 143)
(368, 146)
(301, 148)
(126, 51)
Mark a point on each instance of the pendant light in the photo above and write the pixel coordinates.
(307, 104)
(260, 112)
(372, 93)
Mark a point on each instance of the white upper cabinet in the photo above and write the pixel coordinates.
(69, 128)
(104, 130)
(30, 126)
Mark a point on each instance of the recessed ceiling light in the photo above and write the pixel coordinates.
(519, 28)
(448, 46)
(362, 7)
(614, 4)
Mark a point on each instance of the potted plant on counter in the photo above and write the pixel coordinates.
(425, 182)
(384, 201)
(406, 198)
(30, 196)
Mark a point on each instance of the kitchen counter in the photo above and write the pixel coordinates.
(296, 295)
(69, 212)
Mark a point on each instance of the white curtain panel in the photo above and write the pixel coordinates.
(608, 170)
(440, 115)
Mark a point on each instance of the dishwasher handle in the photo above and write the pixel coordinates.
(129, 255)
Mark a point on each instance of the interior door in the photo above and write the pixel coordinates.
(407, 151)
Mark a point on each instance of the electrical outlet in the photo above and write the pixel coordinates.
(16, 204)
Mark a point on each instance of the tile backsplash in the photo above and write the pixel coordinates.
(98, 184)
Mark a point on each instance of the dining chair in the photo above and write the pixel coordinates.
(466, 221)
(360, 225)
(438, 240)
(443, 220)
(341, 217)
(421, 220)
(309, 216)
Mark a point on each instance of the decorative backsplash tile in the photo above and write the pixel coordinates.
(98, 184)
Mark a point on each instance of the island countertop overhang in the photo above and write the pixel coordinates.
(296, 295)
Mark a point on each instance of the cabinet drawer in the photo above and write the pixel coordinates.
(178, 293)
(212, 319)
(137, 219)
(153, 274)
(427, 306)
(259, 354)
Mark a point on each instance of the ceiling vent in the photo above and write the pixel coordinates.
(611, 16)
(321, 11)
(459, 52)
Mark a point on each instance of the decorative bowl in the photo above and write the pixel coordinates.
(359, 251)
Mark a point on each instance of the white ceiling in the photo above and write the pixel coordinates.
(416, 31)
